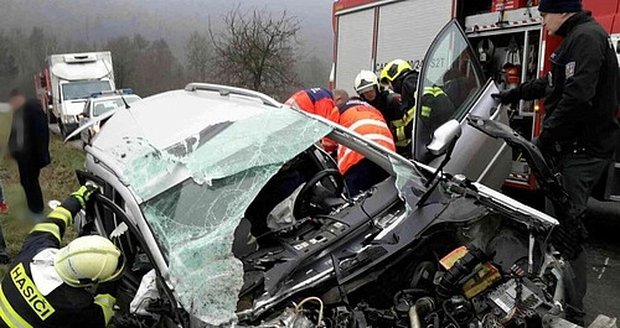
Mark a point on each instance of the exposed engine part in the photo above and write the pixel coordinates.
(459, 263)
(422, 307)
(514, 294)
(290, 318)
(299, 308)
(459, 309)
(342, 317)
(423, 275)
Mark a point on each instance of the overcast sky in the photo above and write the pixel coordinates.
(173, 20)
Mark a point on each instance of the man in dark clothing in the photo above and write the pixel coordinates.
(580, 125)
(388, 103)
(50, 286)
(28, 145)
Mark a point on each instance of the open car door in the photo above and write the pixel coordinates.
(451, 85)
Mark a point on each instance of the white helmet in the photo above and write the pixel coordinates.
(88, 260)
(365, 81)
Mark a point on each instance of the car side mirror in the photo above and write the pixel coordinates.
(444, 137)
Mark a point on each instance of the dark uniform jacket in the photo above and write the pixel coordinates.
(389, 104)
(33, 295)
(581, 92)
(29, 139)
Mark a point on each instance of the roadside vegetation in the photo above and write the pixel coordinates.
(57, 181)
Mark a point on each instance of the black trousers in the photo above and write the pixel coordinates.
(29, 179)
(580, 172)
(363, 175)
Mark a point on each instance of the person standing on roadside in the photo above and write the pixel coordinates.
(29, 146)
(580, 124)
(4, 207)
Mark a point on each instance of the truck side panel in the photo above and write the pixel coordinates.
(354, 46)
(407, 28)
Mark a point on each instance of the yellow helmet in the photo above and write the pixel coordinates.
(365, 81)
(394, 69)
(88, 260)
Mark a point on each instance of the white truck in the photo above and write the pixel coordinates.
(68, 80)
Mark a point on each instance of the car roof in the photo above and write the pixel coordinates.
(170, 117)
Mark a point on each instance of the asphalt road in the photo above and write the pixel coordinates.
(603, 250)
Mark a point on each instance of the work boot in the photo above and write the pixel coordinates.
(4, 208)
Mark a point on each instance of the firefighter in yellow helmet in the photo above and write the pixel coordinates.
(436, 108)
(46, 286)
(401, 78)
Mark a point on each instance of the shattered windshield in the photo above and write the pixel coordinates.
(194, 221)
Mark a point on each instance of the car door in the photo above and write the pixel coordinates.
(451, 85)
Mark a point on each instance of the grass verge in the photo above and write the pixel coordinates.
(57, 181)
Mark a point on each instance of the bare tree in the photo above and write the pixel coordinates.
(257, 50)
(125, 56)
(199, 55)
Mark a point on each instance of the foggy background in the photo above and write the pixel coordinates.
(84, 25)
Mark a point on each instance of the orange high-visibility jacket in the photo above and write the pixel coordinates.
(366, 120)
(318, 101)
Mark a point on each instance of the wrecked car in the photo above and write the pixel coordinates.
(230, 215)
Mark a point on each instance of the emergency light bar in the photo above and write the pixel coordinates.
(126, 91)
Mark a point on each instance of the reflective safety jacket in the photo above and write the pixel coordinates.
(32, 294)
(366, 120)
(436, 110)
(389, 104)
(317, 101)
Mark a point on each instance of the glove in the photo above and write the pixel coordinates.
(83, 194)
(507, 97)
(106, 302)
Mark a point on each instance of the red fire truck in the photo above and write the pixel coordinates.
(506, 35)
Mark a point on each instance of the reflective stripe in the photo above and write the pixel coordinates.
(106, 302)
(367, 121)
(371, 136)
(47, 227)
(347, 153)
(426, 111)
(400, 133)
(403, 143)
(407, 118)
(379, 137)
(9, 316)
(433, 91)
(63, 214)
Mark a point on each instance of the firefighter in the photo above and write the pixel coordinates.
(360, 173)
(437, 108)
(317, 101)
(580, 127)
(387, 102)
(46, 286)
(401, 78)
